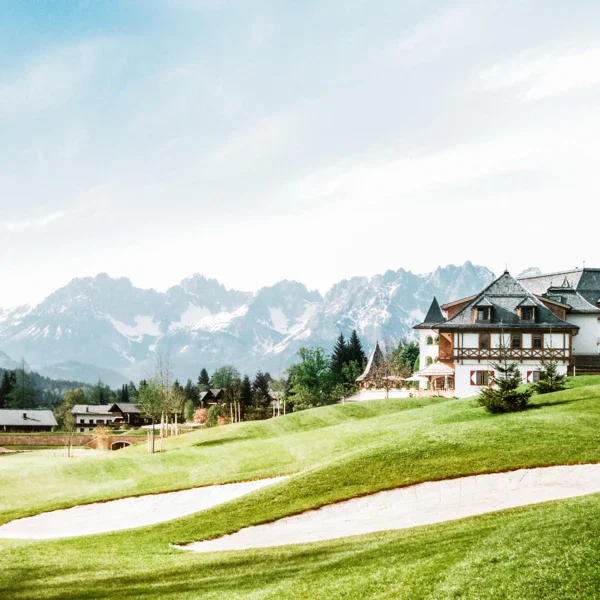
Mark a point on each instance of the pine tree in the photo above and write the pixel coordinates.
(23, 393)
(355, 350)
(247, 396)
(503, 396)
(203, 381)
(191, 393)
(6, 386)
(550, 379)
(261, 389)
(339, 358)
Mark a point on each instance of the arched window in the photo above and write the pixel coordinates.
(429, 341)
(436, 341)
(429, 360)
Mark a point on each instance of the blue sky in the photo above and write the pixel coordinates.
(255, 141)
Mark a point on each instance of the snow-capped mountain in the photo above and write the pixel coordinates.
(107, 325)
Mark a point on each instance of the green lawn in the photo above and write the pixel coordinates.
(335, 453)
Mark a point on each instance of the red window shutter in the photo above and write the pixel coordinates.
(473, 377)
(529, 376)
(491, 381)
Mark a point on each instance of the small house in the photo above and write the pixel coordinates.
(26, 421)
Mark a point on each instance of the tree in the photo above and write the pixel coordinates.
(6, 386)
(247, 398)
(224, 376)
(100, 394)
(203, 381)
(261, 390)
(405, 357)
(233, 397)
(190, 409)
(201, 416)
(191, 393)
(65, 418)
(503, 395)
(23, 393)
(151, 401)
(550, 379)
(311, 379)
(339, 358)
(355, 350)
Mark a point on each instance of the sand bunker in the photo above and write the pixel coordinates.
(127, 513)
(422, 504)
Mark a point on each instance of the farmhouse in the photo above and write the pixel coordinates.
(210, 397)
(531, 319)
(26, 420)
(89, 416)
(128, 413)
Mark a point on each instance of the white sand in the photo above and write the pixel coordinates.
(422, 504)
(128, 512)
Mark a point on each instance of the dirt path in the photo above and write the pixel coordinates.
(127, 513)
(422, 504)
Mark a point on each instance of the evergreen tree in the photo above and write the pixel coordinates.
(355, 350)
(247, 396)
(6, 385)
(132, 391)
(203, 381)
(23, 393)
(550, 379)
(504, 395)
(339, 358)
(261, 389)
(191, 393)
(125, 394)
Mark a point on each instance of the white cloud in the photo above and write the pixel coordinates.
(545, 72)
(40, 223)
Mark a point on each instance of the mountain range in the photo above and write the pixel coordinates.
(104, 328)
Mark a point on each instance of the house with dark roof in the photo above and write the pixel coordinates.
(128, 413)
(210, 397)
(462, 339)
(25, 421)
(579, 291)
(89, 416)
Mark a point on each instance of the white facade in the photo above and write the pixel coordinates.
(88, 421)
(588, 338)
(429, 349)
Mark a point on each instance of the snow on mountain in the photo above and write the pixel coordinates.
(118, 328)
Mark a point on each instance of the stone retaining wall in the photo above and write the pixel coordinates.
(102, 443)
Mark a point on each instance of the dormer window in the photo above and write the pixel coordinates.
(527, 313)
(483, 314)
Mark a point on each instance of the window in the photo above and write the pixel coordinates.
(483, 314)
(91, 421)
(429, 360)
(515, 341)
(484, 341)
(482, 378)
(436, 341)
(82, 420)
(535, 376)
(100, 421)
(538, 341)
(556, 298)
(81, 430)
(429, 340)
(527, 313)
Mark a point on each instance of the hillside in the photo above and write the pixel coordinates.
(103, 326)
(335, 453)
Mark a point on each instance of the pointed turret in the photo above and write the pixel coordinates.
(433, 317)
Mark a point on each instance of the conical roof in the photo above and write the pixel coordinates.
(433, 317)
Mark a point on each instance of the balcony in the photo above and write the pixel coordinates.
(518, 354)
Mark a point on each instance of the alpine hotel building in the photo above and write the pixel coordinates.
(531, 318)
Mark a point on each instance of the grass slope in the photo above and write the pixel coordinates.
(336, 452)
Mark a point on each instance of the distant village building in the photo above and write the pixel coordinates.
(210, 397)
(26, 421)
(89, 416)
(531, 319)
(128, 413)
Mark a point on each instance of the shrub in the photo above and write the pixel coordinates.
(215, 412)
(201, 416)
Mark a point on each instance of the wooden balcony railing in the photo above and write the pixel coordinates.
(513, 354)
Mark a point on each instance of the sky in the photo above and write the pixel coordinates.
(315, 140)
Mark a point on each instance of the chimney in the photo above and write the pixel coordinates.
(24, 416)
(87, 409)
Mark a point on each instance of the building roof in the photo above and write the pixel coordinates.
(505, 295)
(91, 409)
(585, 281)
(125, 407)
(216, 392)
(374, 360)
(27, 418)
(573, 299)
(436, 370)
(434, 315)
